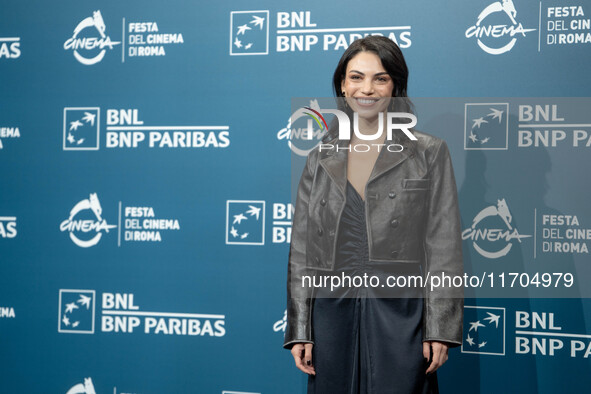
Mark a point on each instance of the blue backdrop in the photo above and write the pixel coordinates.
(133, 134)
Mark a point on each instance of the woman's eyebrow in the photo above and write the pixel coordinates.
(359, 72)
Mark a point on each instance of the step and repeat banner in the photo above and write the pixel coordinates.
(146, 202)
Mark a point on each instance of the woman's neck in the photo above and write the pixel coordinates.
(367, 126)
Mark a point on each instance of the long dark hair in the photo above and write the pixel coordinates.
(392, 60)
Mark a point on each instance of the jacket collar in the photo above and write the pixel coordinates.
(335, 162)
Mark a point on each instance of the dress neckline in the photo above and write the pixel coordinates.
(355, 190)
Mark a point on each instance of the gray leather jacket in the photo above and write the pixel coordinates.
(412, 217)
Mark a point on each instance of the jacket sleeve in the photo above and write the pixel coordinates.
(299, 299)
(444, 305)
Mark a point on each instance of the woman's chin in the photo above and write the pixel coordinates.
(368, 114)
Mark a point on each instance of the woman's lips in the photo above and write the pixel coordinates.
(366, 102)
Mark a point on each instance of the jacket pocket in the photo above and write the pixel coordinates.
(416, 184)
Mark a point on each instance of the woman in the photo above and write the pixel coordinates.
(379, 212)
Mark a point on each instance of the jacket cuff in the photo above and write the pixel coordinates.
(449, 343)
(443, 320)
(289, 345)
(298, 327)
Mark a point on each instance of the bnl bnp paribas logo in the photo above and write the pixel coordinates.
(81, 128)
(126, 130)
(296, 31)
(484, 330)
(76, 313)
(8, 227)
(120, 314)
(245, 222)
(90, 42)
(492, 233)
(249, 33)
(486, 126)
(497, 29)
(10, 47)
(85, 223)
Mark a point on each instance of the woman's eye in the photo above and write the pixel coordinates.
(355, 77)
(382, 79)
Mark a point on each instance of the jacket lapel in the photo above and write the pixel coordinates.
(335, 163)
(388, 160)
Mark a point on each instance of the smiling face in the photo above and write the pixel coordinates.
(366, 85)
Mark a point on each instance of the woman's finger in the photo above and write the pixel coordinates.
(308, 358)
(298, 351)
(439, 356)
(427, 351)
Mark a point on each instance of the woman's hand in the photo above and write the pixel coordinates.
(436, 352)
(302, 354)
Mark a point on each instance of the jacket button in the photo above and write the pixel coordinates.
(394, 223)
(323, 202)
(320, 232)
(391, 194)
(394, 253)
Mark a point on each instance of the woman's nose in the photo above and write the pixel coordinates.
(367, 86)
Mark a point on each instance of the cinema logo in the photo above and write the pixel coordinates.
(567, 25)
(120, 314)
(89, 43)
(279, 325)
(296, 31)
(564, 234)
(489, 240)
(497, 36)
(8, 132)
(141, 224)
(146, 39)
(85, 223)
(300, 132)
(7, 312)
(87, 387)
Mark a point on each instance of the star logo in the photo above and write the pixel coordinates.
(249, 32)
(81, 128)
(76, 311)
(484, 330)
(486, 126)
(245, 222)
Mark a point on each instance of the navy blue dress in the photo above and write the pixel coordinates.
(364, 342)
